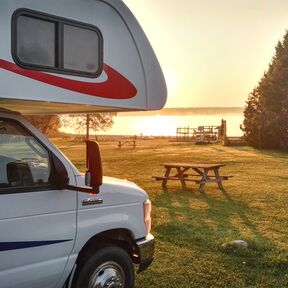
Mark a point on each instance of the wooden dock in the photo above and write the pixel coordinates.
(202, 134)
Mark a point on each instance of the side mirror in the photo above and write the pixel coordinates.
(94, 175)
(59, 176)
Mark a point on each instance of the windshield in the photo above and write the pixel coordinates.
(23, 160)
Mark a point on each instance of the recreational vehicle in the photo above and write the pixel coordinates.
(60, 228)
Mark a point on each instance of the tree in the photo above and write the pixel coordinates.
(91, 121)
(48, 124)
(265, 114)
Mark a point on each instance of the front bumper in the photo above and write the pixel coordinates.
(146, 250)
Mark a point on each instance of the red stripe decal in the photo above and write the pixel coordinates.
(115, 87)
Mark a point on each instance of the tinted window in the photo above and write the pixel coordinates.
(45, 42)
(36, 41)
(24, 163)
(81, 47)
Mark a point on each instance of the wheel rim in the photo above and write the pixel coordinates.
(108, 275)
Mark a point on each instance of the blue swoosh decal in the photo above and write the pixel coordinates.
(6, 246)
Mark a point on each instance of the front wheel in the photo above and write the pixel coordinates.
(109, 267)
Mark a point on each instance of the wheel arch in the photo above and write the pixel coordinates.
(120, 237)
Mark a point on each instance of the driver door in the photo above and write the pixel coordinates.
(37, 221)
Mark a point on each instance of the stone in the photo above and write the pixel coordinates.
(236, 244)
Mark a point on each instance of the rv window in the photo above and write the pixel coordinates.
(36, 41)
(84, 42)
(54, 44)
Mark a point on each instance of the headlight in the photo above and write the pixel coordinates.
(147, 214)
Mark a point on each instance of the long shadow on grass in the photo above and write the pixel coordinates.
(205, 220)
(202, 222)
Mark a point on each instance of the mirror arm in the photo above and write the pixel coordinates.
(82, 189)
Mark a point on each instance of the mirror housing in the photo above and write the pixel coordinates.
(94, 174)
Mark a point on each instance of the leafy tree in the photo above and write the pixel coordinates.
(48, 124)
(265, 114)
(93, 121)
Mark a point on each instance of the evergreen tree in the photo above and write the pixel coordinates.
(265, 114)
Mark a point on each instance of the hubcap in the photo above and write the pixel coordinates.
(108, 275)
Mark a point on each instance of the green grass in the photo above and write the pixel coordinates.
(190, 227)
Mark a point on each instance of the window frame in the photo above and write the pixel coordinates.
(59, 43)
(32, 189)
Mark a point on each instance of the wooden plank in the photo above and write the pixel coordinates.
(204, 180)
(224, 177)
(181, 177)
(218, 178)
(160, 178)
(192, 165)
(188, 179)
(167, 174)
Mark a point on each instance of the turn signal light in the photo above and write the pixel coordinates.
(147, 214)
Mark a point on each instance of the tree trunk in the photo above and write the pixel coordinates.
(87, 126)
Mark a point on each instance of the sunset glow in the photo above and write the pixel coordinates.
(212, 53)
(165, 125)
(171, 83)
(156, 125)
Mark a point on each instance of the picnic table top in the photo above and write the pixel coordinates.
(193, 165)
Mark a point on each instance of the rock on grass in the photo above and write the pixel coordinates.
(235, 244)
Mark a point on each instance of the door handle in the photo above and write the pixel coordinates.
(92, 201)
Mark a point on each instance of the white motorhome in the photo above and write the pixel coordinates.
(58, 227)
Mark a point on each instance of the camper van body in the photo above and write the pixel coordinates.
(58, 229)
(127, 76)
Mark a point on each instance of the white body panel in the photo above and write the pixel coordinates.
(122, 208)
(42, 231)
(126, 50)
(58, 216)
(36, 217)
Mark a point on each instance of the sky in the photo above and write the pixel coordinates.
(212, 52)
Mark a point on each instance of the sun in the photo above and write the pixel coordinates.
(157, 125)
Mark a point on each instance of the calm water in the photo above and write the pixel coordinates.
(165, 125)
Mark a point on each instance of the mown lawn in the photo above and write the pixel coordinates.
(190, 227)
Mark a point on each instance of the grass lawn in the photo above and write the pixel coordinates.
(190, 227)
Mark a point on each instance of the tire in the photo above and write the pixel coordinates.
(108, 267)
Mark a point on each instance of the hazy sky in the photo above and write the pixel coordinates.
(212, 52)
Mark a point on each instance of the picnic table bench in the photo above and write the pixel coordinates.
(127, 142)
(199, 176)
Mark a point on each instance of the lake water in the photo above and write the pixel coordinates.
(162, 124)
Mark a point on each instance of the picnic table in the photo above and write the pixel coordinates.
(200, 174)
(127, 142)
